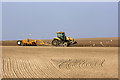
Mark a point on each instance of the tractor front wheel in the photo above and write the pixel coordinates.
(66, 44)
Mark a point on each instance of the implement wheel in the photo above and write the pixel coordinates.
(19, 43)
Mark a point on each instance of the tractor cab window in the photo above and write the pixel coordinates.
(60, 35)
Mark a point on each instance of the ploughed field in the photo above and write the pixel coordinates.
(81, 42)
(59, 62)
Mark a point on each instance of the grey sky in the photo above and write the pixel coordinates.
(43, 20)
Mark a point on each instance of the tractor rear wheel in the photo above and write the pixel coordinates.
(55, 42)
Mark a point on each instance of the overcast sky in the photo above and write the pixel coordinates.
(41, 20)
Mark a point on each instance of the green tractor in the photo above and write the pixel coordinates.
(62, 40)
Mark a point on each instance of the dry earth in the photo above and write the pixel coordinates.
(81, 42)
(59, 62)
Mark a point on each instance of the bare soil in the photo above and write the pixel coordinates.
(59, 62)
(81, 42)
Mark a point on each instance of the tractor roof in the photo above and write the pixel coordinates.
(60, 32)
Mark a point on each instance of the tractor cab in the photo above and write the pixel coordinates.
(61, 35)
